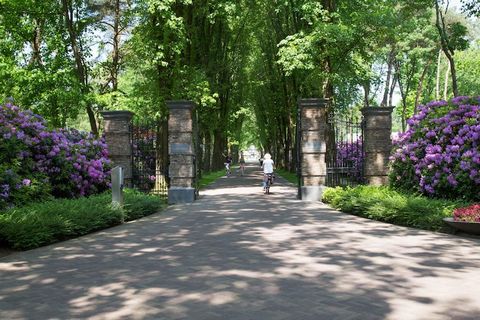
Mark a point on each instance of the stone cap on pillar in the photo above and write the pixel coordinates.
(313, 102)
(180, 104)
(377, 110)
(117, 115)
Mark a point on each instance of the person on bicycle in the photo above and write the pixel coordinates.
(267, 167)
(228, 163)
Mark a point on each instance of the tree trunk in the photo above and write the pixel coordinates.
(235, 153)
(161, 147)
(391, 58)
(404, 106)
(81, 68)
(116, 46)
(219, 152)
(444, 41)
(288, 145)
(420, 85)
(207, 156)
(445, 87)
(437, 83)
(366, 94)
(36, 58)
(392, 89)
(453, 73)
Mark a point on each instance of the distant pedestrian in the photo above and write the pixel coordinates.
(242, 164)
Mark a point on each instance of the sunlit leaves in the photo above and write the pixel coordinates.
(296, 53)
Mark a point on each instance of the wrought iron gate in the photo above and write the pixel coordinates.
(150, 156)
(345, 157)
(298, 152)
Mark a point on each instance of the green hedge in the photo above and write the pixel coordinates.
(40, 224)
(388, 205)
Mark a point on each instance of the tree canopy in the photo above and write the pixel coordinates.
(244, 62)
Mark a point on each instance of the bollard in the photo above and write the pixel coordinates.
(117, 186)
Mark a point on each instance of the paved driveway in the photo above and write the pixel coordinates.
(237, 254)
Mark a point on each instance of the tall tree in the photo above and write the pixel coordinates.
(451, 39)
(73, 15)
(41, 77)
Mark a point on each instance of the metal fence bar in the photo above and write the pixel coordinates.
(345, 161)
(149, 169)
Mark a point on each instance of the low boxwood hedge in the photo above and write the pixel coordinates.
(387, 205)
(44, 223)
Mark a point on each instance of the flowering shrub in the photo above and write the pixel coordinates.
(350, 154)
(19, 181)
(468, 214)
(36, 162)
(439, 155)
(75, 162)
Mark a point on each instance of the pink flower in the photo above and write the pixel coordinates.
(467, 214)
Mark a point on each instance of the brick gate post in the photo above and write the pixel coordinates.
(377, 144)
(117, 130)
(312, 148)
(181, 152)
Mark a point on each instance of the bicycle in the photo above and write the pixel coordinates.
(227, 168)
(268, 182)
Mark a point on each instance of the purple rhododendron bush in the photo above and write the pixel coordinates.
(36, 163)
(351, 154)
(439, 155)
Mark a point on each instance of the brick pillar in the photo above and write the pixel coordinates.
(117, 130)
(377, 144)
(313, 167)
(181, 152)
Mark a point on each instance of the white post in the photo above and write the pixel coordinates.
(117, 186)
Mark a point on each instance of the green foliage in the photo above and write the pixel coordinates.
(41, 77)
(387, 205)
(245, 63)
(210, 177)
(468, 70)
(296, 53)
(138, 204)
(43, 223)
(289, 176)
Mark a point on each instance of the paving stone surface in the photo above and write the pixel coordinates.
(237, 254)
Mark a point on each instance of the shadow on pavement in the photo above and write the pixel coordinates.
(239, 254)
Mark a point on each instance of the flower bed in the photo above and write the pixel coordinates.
(37, 163)
(467, 214)
(439, 155)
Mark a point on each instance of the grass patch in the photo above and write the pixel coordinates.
(44, 223)
(287, 175)
(387, 205)
(210, 177)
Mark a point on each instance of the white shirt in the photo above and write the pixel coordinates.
(267, 166)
